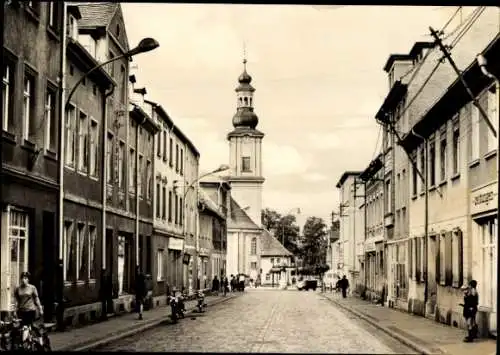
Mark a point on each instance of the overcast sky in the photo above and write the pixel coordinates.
(318, 76)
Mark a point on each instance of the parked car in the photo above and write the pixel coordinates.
(307, 285)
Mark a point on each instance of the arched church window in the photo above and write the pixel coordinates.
(241, 101)
(253, 246)
(250, 101)
(246, 101)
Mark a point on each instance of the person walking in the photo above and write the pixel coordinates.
(344, 285)
(27, 305)
(215, 284)
(233, 283)
(140, 293)
(471, 301)
(225, 285)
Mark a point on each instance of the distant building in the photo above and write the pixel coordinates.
(277, 264)
(175, 212)
(215, 200)
(374, 264)
(351, 219)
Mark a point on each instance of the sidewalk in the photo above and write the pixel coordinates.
(99, 334)
(419, 333)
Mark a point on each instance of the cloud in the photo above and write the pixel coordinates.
(282, 160)
(315, 177)
(324, 140)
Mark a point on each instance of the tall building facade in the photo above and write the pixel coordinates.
(175, 211)
(31, 89)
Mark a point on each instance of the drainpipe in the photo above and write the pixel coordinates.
(426, 216)
(137, 195)
(106, 281)
(62, 109)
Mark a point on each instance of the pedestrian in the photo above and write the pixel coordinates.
(471, 301)
(215, 284)
(140, 292)
(344, 285)
(242, 282)
(233, 283)
(27, 304)
(225, 285)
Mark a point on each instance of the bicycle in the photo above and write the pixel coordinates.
(14, 336)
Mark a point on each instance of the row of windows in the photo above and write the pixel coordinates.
(31, 128)
(440, 152)
(173, 210)
(82, 142)
(444, 151)
(448, 258)
(118, 173)
(79, 252)
(161, 150)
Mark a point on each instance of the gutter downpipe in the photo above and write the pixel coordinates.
(62, 109)
(105, 282)
(137, 193)
(426, 216)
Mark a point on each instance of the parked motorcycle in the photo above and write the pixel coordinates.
(177, 308)
(200, 305)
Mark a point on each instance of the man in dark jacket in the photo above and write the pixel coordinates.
(140, 292)
(344, 285)
(215, 285)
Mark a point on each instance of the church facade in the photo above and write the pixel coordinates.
(245, 235)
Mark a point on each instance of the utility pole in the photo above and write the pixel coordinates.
(447, 55)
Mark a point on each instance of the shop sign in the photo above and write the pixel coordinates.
(484, 199)
(175, 243)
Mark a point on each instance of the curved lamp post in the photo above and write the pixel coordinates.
(222, 167)
(145, 45)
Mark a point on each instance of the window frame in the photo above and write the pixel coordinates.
(29, 103)
(160, 275)
(93, 147)
(9, 95)
(110, 138)
(70, 128)
(50, 117)
(246, 164)
(83, 142)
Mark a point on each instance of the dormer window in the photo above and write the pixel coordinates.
(117, 30)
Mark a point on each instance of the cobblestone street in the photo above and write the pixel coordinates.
(266, 321)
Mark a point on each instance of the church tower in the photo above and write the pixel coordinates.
(245, 151)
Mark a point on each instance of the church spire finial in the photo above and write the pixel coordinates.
(244, 55)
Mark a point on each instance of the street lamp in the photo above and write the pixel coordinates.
(145, 45)
(221, 168)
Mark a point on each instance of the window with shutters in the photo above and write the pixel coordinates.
(83, 142)
(442, 260)
(170, 203)
(411, 259)
(176, 210)
(158, 201)
(492, 110)
(457, 250)
(164, 146)
(443, 160)
(171, 151)
(448, 259)
(422, 166)
(456, 146)
(164, 203)
(414, 174)
(418, 267)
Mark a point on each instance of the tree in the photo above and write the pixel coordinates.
(314, 243)
(284, 228)
(270, 219)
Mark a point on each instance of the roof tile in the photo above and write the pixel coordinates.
(96, 14)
